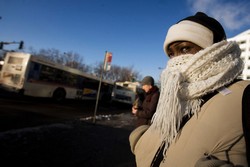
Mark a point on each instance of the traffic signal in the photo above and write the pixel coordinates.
(1, 45)
(21, 45)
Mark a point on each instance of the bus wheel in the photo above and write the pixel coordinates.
(59, 94)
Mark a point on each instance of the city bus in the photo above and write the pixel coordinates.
(33, 76)
(125, 92)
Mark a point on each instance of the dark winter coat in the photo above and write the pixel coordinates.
(149, 105)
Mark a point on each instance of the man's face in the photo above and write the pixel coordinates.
(146, 88)
(182, 48)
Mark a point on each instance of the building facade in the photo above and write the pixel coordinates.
(243, 39)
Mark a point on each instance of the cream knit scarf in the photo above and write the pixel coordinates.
(187, 79)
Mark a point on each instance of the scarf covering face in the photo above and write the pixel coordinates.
(187, 78)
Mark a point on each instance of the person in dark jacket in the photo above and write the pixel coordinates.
(149, 104)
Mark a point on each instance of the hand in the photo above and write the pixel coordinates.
(134, 110)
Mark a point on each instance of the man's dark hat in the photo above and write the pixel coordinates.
(148, 80)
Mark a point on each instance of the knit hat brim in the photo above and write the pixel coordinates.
(189, 31)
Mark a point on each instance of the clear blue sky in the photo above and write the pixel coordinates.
(133, 30)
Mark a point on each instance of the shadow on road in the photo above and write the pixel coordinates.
(38, 132)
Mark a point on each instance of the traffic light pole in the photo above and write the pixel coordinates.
(7, 43)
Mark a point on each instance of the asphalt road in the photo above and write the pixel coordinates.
(38, 132)
(20, 112)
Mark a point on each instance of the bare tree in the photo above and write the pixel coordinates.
(117, 73)
(70, 59)
(74, 60)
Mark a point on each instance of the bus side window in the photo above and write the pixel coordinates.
(34, 71)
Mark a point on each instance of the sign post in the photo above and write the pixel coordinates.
(106, 67)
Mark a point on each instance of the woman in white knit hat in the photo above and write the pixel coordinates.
(201, 118)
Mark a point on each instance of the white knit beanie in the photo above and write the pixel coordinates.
(189, 31)
(199, 29)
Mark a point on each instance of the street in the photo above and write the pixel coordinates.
(41, 133)
(19, 111)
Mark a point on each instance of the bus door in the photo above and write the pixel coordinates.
(13, 69)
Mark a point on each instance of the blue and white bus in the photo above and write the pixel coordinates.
(33, 76)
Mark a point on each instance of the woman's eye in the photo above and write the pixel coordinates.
(185, 50)
(170, 54)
